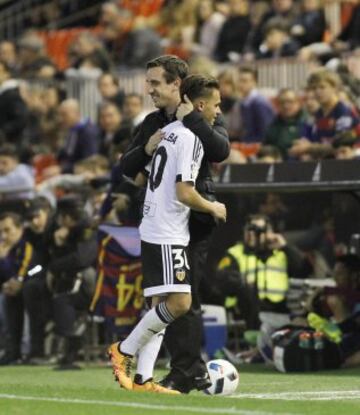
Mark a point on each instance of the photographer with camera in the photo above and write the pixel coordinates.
(256, 273)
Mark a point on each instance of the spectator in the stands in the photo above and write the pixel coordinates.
(81, 136)
(254, 110)
(16, 259)
(346, 149)
(334, 119)
(139, 43)
(268, 154)
(209, 26)
(16, 179)
(8, 54)
(310, 25)
(283, 11)
(37, 298)
(277, 43)
(88, 51)
(32, 55)
(13, 110)
(108, 84)
(134, 112)
(349, 38)
(234, 32)
(70, 274)
(228, 81)
(289, 124)
(110, 119)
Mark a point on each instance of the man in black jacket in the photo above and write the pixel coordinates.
(188, 370)
(71, 275)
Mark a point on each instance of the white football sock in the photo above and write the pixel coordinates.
(153, 321)
(148, 355)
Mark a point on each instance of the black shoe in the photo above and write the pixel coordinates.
(201, 382)
(177, 383)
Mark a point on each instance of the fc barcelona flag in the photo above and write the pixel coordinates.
(118, 295)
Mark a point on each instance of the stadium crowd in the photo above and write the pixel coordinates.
(56, 164)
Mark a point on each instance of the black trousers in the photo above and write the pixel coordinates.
(14, 308)
(184, 337)
(38, 304)
(66, 309)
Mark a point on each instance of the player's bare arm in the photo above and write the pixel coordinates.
(189, 196)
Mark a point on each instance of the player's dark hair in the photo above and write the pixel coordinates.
(198, 86)
(173, 66)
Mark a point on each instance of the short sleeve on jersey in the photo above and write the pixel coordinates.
(189, 156)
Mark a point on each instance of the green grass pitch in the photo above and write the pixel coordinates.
(34, 390)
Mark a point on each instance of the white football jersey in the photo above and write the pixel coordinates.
(177, 159)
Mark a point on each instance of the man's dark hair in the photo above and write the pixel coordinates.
(249, 69)
(173, 66)
(198, 86)
(9, 150)
(15, 217)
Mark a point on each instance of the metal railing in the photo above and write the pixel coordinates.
(273, 75)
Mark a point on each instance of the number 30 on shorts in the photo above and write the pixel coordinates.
(180, 258)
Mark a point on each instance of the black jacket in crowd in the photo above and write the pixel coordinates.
(216, 145)
(78, 253)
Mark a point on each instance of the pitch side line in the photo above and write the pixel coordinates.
(218, 411)
(297, 396)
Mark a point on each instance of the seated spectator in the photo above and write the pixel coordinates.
(8, 54)
(333, 120)
(81, 136)
(133, 111)
(269, 154)
(32, 55)
(109, 89)
(288, 125)
(16, 179)
(210, 23)
(88, 50)
(37, 297)
(346, 148)
(310, 25)
(137, 43)
(234, 32)
(341, 303)
(89, 173)
(110, 119)
(13, 110)
(283, 11)
(349, 38)
(17, 257)
(277, 43)
(73, 252)
(228, 91)
(253, 109)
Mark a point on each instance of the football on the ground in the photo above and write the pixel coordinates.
(224, 377)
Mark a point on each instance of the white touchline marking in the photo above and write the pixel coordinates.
(309, 395)
(134, 405)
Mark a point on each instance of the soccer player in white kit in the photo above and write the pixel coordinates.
(164, 232)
